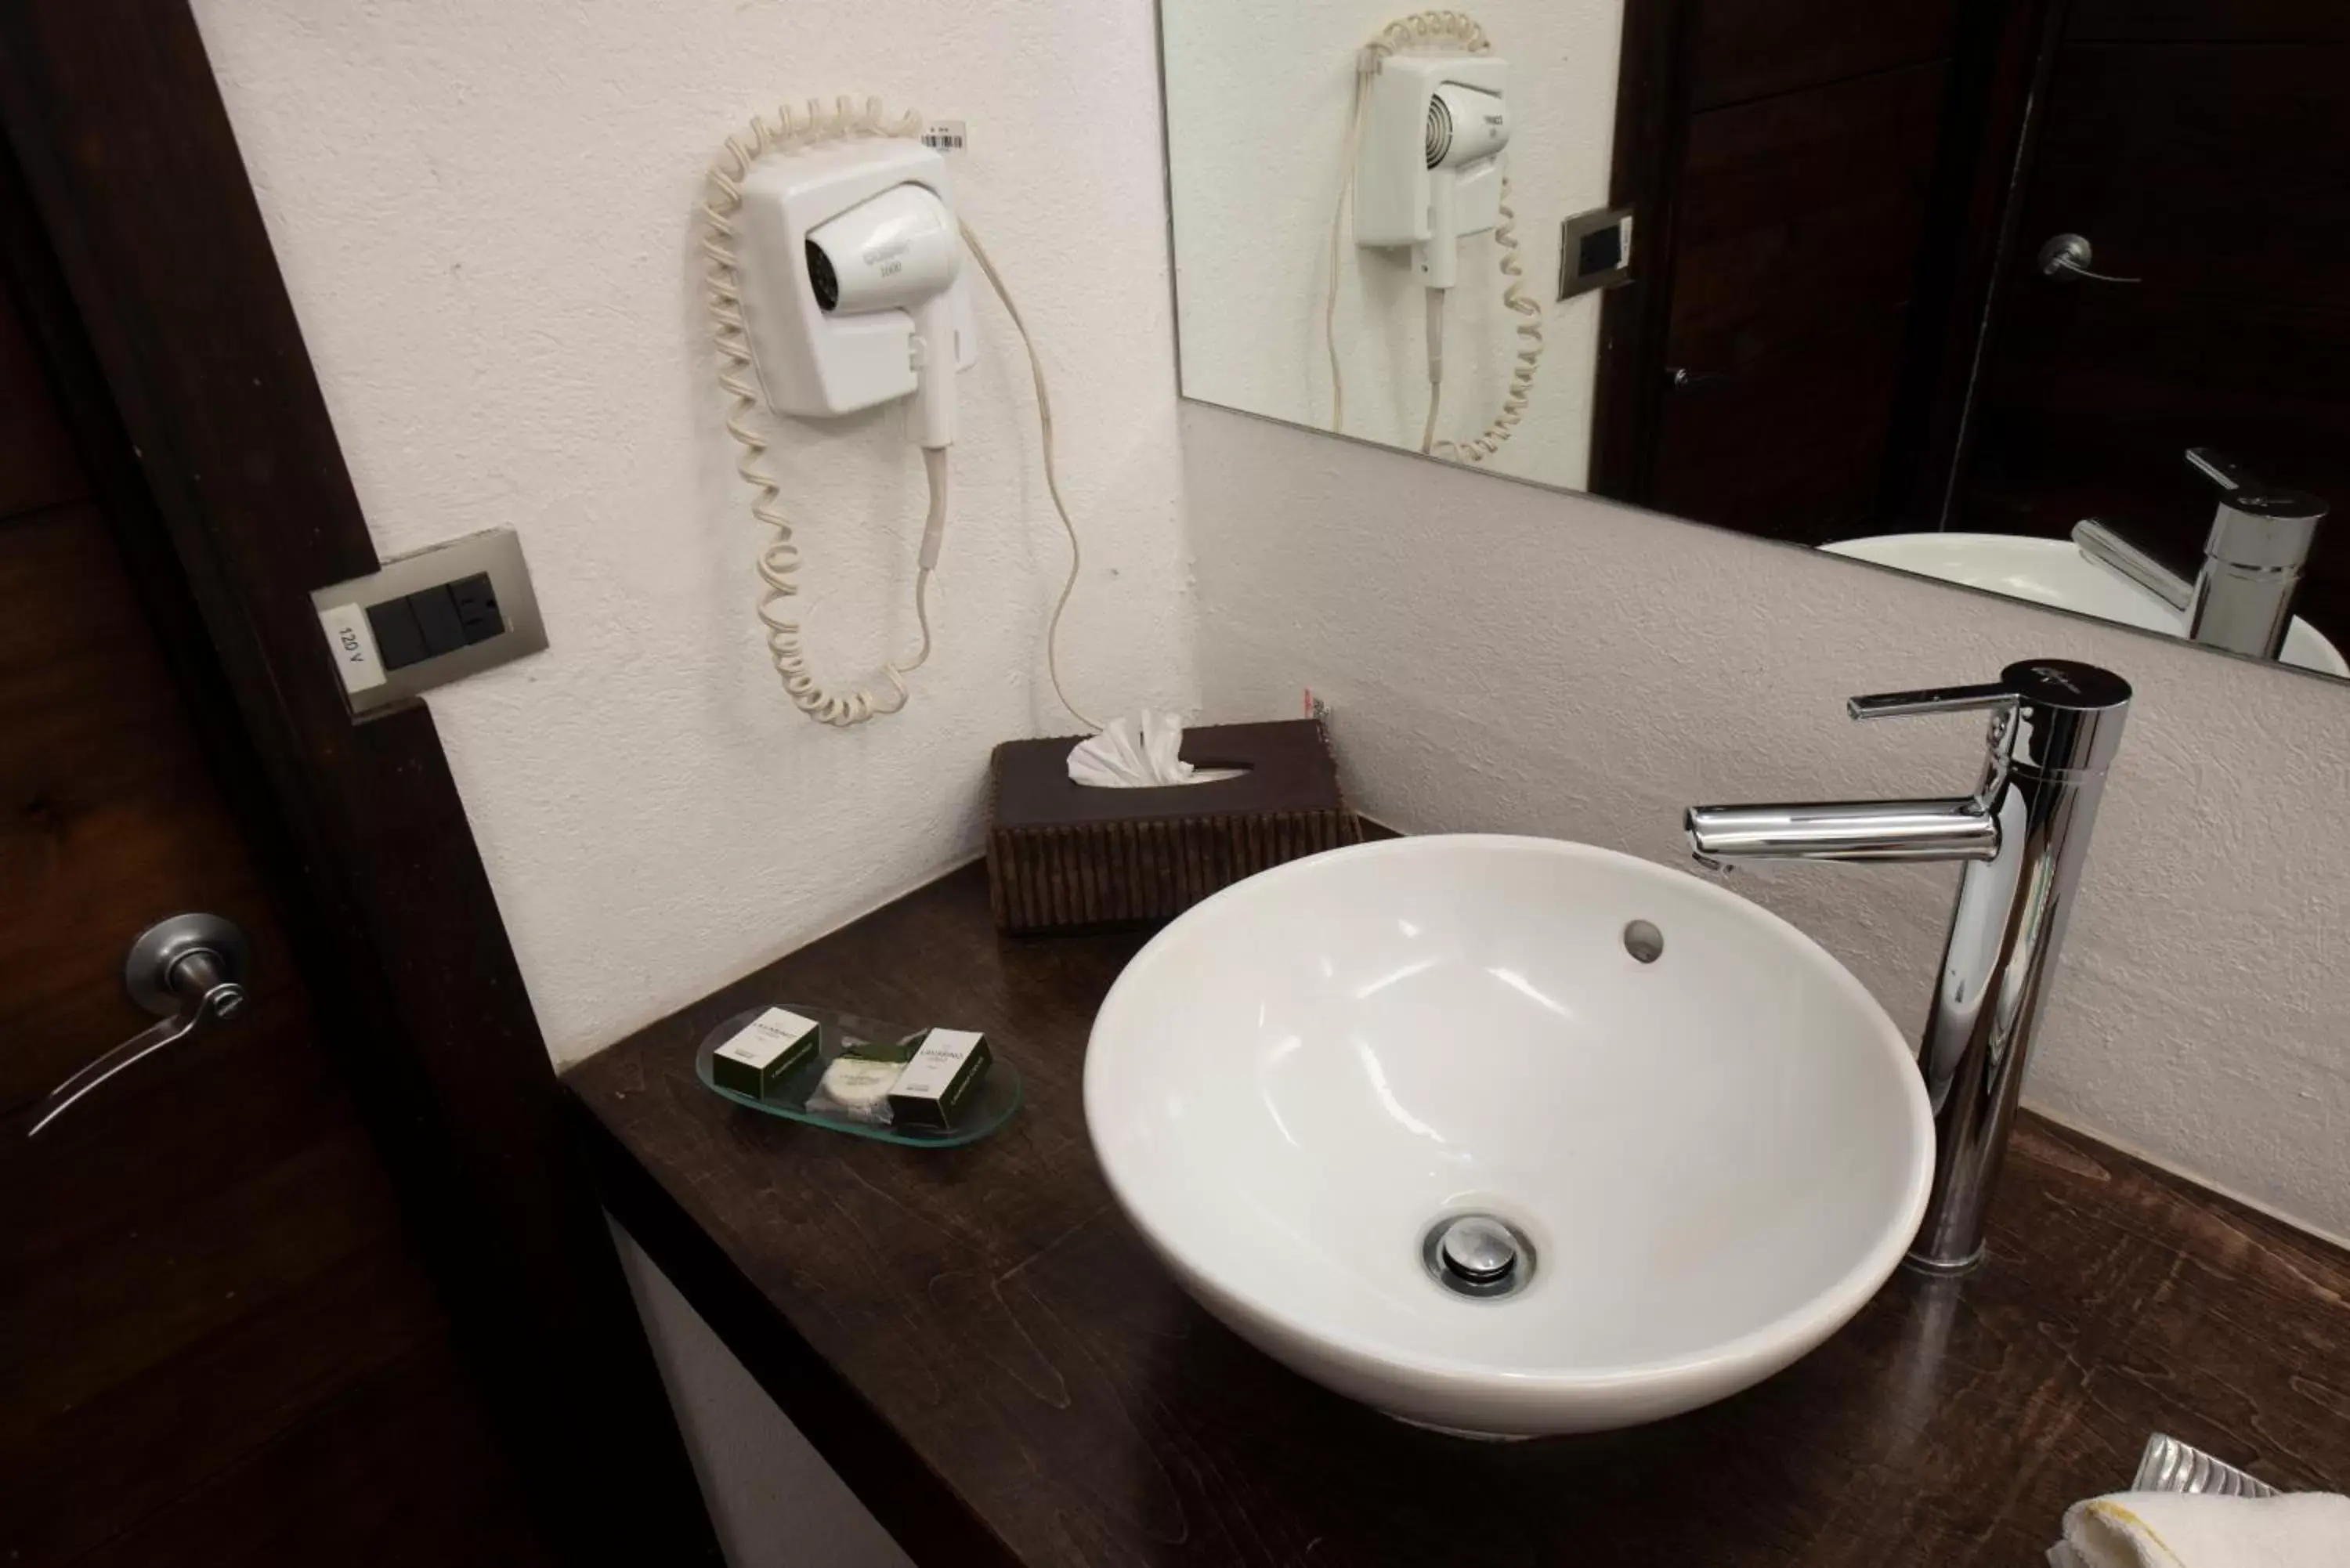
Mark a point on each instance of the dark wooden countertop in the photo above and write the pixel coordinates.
(982, 1347)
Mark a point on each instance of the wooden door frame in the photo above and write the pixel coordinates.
(164, 322)
(1650, 137)
(2000, 75)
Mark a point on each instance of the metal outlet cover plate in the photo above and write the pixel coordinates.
(368, 686)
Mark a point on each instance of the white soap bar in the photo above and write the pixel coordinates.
(855, 1088)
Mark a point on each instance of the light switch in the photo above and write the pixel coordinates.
(436, 617)
(398, 638)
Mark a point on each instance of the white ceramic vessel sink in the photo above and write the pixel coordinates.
(2054, 571)
(1714, 1158)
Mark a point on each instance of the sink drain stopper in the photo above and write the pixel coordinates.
(1479, 1256)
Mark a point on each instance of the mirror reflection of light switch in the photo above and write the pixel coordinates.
(1602, 251)
(429, 618)
(1594, 251)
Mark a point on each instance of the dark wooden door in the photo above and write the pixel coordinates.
(1784, 160)
(218, 1344)
(2203, 146)
(1801, 214)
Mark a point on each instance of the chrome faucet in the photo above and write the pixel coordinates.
(2023, 833)
(2252, 560)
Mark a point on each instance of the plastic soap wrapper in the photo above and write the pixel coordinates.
(856, 1084)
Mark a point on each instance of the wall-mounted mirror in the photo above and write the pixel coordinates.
(2045, 298)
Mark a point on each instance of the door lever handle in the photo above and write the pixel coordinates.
(190, 969)
(2070, 255)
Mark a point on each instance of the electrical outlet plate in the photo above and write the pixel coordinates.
(370, 685)
(1583, 243)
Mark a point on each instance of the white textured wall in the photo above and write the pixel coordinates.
(1502, 658)
(485, 215)
(1257, 103)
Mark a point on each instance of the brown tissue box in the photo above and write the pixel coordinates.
(1062, 857)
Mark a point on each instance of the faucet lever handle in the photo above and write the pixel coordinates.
(2219, 468)
(2255, 501)
(1985, 698)
(2098, 541)
(2074, 712)
(1999, 699)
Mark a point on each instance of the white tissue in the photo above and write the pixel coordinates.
(1137, 751)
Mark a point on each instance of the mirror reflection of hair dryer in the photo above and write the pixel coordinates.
(1432, 121)
(1466, 128)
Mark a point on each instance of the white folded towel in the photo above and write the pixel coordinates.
(2190, 1529)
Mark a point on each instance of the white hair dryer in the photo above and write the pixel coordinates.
(856, 296)
(1428, 171)
(1431, 122)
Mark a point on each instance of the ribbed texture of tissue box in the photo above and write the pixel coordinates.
(1064, 857)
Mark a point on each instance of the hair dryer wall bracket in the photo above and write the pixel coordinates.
(854, 290)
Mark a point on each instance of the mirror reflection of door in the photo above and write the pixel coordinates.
(1842, 327)
(2202, 147)
(1783, 162)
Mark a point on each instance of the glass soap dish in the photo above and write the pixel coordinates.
(991, 1103)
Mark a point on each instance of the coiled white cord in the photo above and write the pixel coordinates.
(1529, 311)
(1455, 30)
(779, 561)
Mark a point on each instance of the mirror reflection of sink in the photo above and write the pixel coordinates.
(2054, 571)
(1509, 1135)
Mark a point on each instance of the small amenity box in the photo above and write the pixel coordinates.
(762, 1052)
(944, 1071)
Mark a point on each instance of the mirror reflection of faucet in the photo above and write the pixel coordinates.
(2240, 601)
